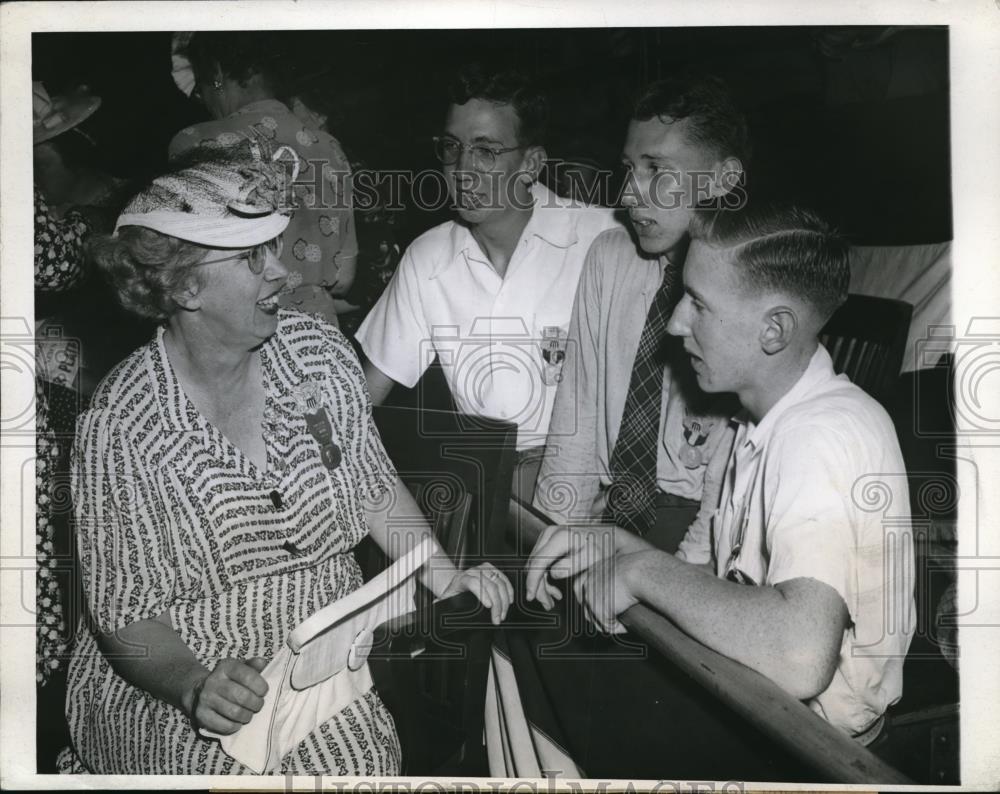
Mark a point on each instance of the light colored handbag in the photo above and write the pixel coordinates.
(323, 666)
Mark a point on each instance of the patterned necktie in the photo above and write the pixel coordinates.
(631, 498)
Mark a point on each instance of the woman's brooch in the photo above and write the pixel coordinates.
(309, 401)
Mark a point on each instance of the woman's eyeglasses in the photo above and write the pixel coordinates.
(484, 158)
(256, 257)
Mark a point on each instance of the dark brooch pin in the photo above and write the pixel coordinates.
(309, 400)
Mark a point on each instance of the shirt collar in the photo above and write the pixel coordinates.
(818, 372)
(551, 221)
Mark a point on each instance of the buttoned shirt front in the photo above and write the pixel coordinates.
(501, 341)
(817, 489)
(172, 517)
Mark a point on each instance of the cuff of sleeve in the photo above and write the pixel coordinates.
(819, 573)
(384, 368)
(109, 620)
(377, 484)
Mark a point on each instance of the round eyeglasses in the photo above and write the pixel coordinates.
(256, 257)
(484, 158)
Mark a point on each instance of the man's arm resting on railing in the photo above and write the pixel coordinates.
(764, 704)
(790, 632)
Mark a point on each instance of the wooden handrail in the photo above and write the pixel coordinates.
(764, 704)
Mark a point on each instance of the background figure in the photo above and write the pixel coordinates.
(58, 266)
(59, 244)
(311, 89)
(241, 78)
(71, 174)
(67, 163)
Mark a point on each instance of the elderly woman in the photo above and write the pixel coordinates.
(212, 517)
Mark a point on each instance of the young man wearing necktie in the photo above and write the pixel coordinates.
(629, 441)
(631, 432)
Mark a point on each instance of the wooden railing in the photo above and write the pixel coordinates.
(787, 721)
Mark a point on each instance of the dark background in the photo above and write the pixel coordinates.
(852, 121)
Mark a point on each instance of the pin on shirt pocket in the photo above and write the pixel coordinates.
(553, 349)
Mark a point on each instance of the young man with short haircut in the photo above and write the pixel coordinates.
(631, 433)
(790, 568)
(490, 293)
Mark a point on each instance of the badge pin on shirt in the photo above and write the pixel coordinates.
(696, 432)
(553, 353)
(309, 402)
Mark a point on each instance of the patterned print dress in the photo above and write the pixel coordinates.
(58, 266)
(172, 517)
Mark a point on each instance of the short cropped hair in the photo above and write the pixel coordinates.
(714, 118)
(507, 87)
(147, 269)
(782, 248)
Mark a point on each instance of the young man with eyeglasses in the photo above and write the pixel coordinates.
(489, 293)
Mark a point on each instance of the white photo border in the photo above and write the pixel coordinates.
(974, 43)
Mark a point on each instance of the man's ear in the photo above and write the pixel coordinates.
(532, 163)
(726, 177)
(780, 325)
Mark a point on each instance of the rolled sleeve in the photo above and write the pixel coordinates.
(395, 333)
(810, 529)
(129, 571)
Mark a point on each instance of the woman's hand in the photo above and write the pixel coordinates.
(489, 585)
(224, 700)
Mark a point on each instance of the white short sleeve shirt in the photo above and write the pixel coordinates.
(501, 341)
(818, 490)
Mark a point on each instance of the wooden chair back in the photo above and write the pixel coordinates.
(866, 338)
